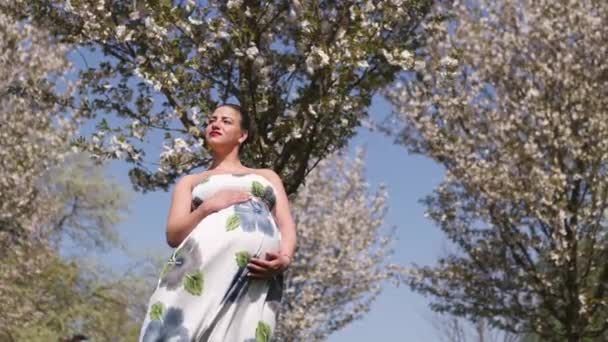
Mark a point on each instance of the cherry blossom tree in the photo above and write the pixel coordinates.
(342, 260)
(510, 97)
(47, 190)
(32, 131)
(48, 193)
(305, 70)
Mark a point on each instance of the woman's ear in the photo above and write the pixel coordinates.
(243, 137)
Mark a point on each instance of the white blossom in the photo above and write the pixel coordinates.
(316, 59)
(252, 52)
(511, 100)
(341, 262)
(32, 134)
(158, 59)
(232, 4)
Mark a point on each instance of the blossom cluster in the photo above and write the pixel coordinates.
(342, 260)
(511, 100)
(305, 71)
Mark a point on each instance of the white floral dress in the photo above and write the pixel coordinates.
(203, 293)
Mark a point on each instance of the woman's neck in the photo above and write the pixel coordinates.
(229, 162)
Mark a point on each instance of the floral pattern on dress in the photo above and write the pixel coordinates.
(275, 292)
(196, 202)
(266, 194)
(254, 215)
(165, 325)
(269, 198)
(180, 306)
(263, 332)
(183, 268)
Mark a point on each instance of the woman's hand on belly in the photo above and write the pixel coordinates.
(226, 198)
(273, 264)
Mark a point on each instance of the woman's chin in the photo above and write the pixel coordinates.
(215, 140)
(219, 145)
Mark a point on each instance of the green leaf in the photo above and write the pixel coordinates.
(157, 311)
(233, 222)
(262, 332)
(242, 258)
(257, 189)
(193, 283)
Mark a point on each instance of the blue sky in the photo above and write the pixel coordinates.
(398, 314)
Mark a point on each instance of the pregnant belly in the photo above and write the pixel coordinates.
(234, 230)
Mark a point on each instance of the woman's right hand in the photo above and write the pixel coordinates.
(225, 198)
(182, 219)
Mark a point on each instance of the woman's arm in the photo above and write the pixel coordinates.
(182, 220)
(282, 214)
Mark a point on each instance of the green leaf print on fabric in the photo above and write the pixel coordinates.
(242, 258)
(167, 327)
(262, 332)
(193, 283)
(266, 193)
(233, 222)
(257, 189)
(157, 311)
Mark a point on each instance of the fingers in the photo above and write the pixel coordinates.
(260, 268)
(242, 196)
(272, 255)
(230, 197)
(258, 272)
(256, 268)
(261, 262)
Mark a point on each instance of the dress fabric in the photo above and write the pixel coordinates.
(203, 293)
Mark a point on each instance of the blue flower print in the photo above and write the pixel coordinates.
(269, 198)
(183, 262)
(275, 292)
(254, 215)
(266, 193)
(165, 325)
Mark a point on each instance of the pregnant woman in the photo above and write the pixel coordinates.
(234, 236)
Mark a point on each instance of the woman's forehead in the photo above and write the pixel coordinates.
(225, 111)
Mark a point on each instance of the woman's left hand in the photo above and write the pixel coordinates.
(274, 264)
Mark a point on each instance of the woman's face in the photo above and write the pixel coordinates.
(224, 129)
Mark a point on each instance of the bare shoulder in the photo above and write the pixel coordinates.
(188, 181)
(271, 175)
(184, 181)
(198, 177)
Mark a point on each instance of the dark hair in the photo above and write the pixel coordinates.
(247, 123)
